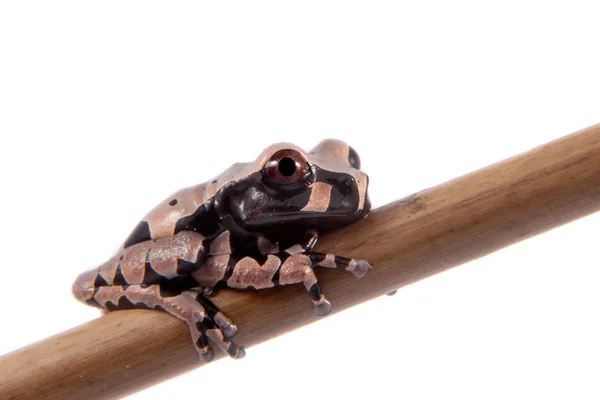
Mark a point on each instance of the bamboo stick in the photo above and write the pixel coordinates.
(406, 241)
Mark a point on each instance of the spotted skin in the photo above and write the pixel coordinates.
(253, 227)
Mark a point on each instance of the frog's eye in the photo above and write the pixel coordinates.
(353, 158)
(285, 167)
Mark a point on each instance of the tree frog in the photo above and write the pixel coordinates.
(253, 227)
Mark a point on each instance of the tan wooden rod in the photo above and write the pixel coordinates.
(406, 241)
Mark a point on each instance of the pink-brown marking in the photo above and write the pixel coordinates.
(134, 262)
(332, 155)
(319, 197)
(248, 273)
(295, 249)
(220, 244)
(212, 271)
(107, 294)
(297, 269)
(362, 183)
(162, 253)
(265, 246)
(165, 252)
(163, 218)
(329, 261)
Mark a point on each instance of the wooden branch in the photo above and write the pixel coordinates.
(406, 241)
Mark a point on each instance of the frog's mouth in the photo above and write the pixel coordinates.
(323, 205)
(326, 220)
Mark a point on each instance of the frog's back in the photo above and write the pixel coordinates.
(188, 209)
(170, 215)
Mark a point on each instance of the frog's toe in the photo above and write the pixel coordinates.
(360, 268)
(218, 328)
(224, 324)
(322, 306)
(207, 356)
(229, 331)
(217, 337)
(228, 328)
(204, 352)
(237, 352)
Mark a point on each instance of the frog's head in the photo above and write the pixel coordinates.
(288, 188)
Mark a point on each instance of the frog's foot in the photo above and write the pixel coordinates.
(209, 329)
(205, 321)
(360, 268)
(225, 325)
(298, 268)
(322, 306)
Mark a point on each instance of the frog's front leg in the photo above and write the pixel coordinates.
(277, 270)
(299, 268)
(358, 268)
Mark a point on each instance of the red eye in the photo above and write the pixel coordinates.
(285, 167)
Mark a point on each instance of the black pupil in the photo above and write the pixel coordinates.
(287, 166)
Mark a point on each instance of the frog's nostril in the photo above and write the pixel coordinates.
(346, 187)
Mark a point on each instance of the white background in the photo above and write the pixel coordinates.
(108, 107)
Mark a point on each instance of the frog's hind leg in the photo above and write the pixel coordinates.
(149, 262)
(187, 305)
(227, 327)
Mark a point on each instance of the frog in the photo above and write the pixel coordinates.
(253, 227)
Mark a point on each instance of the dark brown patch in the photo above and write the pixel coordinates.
(140, 234)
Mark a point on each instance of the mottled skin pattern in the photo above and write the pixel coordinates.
(253, 227)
